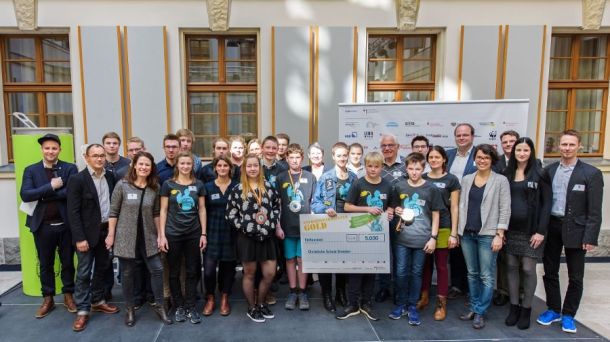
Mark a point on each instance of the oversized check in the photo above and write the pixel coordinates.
(347, 243)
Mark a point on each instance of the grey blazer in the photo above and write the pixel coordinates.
(125, 205)
(495, 207)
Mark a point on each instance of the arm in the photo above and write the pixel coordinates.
(70, 171)
(29, 192)
(233, 212)
(74, 214)
(112, 221)
(351, 208)
(203, 240)
(455, 213)
(163, 204)
(595, 191)
(430, 246)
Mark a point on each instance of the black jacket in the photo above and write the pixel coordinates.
(539, 200)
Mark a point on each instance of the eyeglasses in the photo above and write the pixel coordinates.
(98, 156)
(388, 146)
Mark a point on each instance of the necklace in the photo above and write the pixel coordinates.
(295, 201)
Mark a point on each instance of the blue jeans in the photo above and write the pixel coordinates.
(481, 265)
(409, 266)
(89, 291)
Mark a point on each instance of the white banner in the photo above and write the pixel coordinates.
(365, 123)
(346, 243)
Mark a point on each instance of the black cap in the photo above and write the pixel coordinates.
(49, 136)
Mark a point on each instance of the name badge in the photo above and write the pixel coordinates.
(303, 180)
(421, 202)
(579, 187)
(132, 196)
(474, 163)
(396, 173)
(215, 196)
(383, 196)
(440, 185)
(192, 188)
(532, 185)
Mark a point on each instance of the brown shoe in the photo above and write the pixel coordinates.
(208, 309)
(105, 308)
(441, 308)
(423, 301)
(47, 306)
(270, 299)
(80, 323)
(69, 302)
(225, 307)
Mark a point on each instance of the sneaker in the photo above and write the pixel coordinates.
(478, 322)
(548, 317)
(303, 301)
(180, 315)
(291, 301)
(349, 311)
(265, 311)
(567, 324)
(270, 299)
(367, 310)
(255, 315)
(413, 315)
(398, 312)
(193, 315)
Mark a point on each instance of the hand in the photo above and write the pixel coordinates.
(536, 240)
(56, 183)
(588, 247)
(398, 211)
(390, 214)
(331, 212)
(375, 211)
(279, 233)
(203, 242)
(109, 242)
(496, 244)
(453, 242)
(162, 244)
(430, 246)
(82, 246)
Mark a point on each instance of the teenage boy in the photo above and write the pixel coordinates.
(355, 160)
(296, 187)
(283, 140)
(421, 202)
(369, 194)
(220, 148)
(187, 138)
(171, 147)
(114, 161)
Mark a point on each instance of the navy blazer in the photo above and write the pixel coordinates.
(470, 165)
(36, 186)
(84, 212)
(583, 212)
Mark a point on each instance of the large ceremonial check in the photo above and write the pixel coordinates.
(346, 243)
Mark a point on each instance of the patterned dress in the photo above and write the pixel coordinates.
(221, 238)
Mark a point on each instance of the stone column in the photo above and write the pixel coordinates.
(218, 14)
(406, 14)
(592, 14)
(25, 12)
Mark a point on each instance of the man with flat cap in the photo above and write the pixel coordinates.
(45, 183)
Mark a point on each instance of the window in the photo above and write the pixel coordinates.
(222, 88)
(401, 68)
(36, 81)
(578, 91)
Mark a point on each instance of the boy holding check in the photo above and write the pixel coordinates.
(368, 194)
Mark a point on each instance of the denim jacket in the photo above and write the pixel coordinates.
(326, 191)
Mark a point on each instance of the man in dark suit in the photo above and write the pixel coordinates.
(507, 140)
(89, 194)
(576, 216)
(44, 182)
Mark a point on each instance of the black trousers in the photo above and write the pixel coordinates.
(326, 282)
(575, 260)
(48, 239)
(360, 288)
(189, 250)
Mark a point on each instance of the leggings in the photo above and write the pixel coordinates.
(189, 249)
(528, 271)
(226, 275)
(440, 258)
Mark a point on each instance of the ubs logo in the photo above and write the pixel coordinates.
(368, 134)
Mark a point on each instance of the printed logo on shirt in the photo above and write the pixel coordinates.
(414, 203)
(184, 200)
(344, 190)
(440, 185)
(293, 194)
(373, 199)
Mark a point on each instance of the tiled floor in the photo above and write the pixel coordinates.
(18, 324)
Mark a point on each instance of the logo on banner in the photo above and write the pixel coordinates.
(392, 124)
(434, 124)
(368, 134)
(352, 123)
(488, 123)
(371, 124)
(410, 124)
(411, 135)
(453, 124)
(511, 124)
(352, 135)
(493, 135)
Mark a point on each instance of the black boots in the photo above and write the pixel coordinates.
(341, 298)
(329, 305)
(160, 311)
(130, 316)
(513, 315)
(524, 318)
(519, 316)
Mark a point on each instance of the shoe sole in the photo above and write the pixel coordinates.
(304, 308)
(414, 323)
(351, 314)
(569, 330)
(179, 320)
(372, 318)
(255, 320)
(290, 307)
(106, 312)
(548, 323)
(195, 322)
(70, 310)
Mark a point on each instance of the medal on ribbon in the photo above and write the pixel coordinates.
(295, 194)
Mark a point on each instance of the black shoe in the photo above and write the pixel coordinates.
(160, 311)
(255, 315)
(382, 295)
(468, 316)
(500, 299)
(524, 318)
(513, 315)
(341, 298)
(478, 322)
(454, 293)
(265, 311)
(349, 311)
(328, 303)
(367, 310)
(130, 317)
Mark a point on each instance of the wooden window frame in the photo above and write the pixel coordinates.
(39, 87)
(221, 86)
(398, 86)
(574, 84)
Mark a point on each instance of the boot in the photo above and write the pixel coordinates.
(47, 306)
(328, 302)
(225, 307)
(69, 302)
(160, 311)
(441, 308)
(341, 298)
(423, 301)
(513, 315)
(209, 306)
(524, 318)
(130, 316)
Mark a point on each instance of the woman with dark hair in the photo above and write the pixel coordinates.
(531, 200)
(484, 213)
(220, 251)
(134, 218)
(449, 187)
(183, 220)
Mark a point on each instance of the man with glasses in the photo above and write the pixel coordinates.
(507, 139)
(134, 146)
(420, 144)
(171, 147)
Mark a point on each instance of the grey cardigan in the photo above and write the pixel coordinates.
(124, 205)
(495, 207)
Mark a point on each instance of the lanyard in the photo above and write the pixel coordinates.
(295, 188)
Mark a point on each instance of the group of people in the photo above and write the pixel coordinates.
(472, 214)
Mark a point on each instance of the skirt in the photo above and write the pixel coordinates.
(518, 243)
(249, 250)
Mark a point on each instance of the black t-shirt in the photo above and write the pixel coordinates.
(295, 193)
(183, 209)
(518, 206)
(363, 193)
(473, 216)
(446, 184)
(272, 172)
(342, 189)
